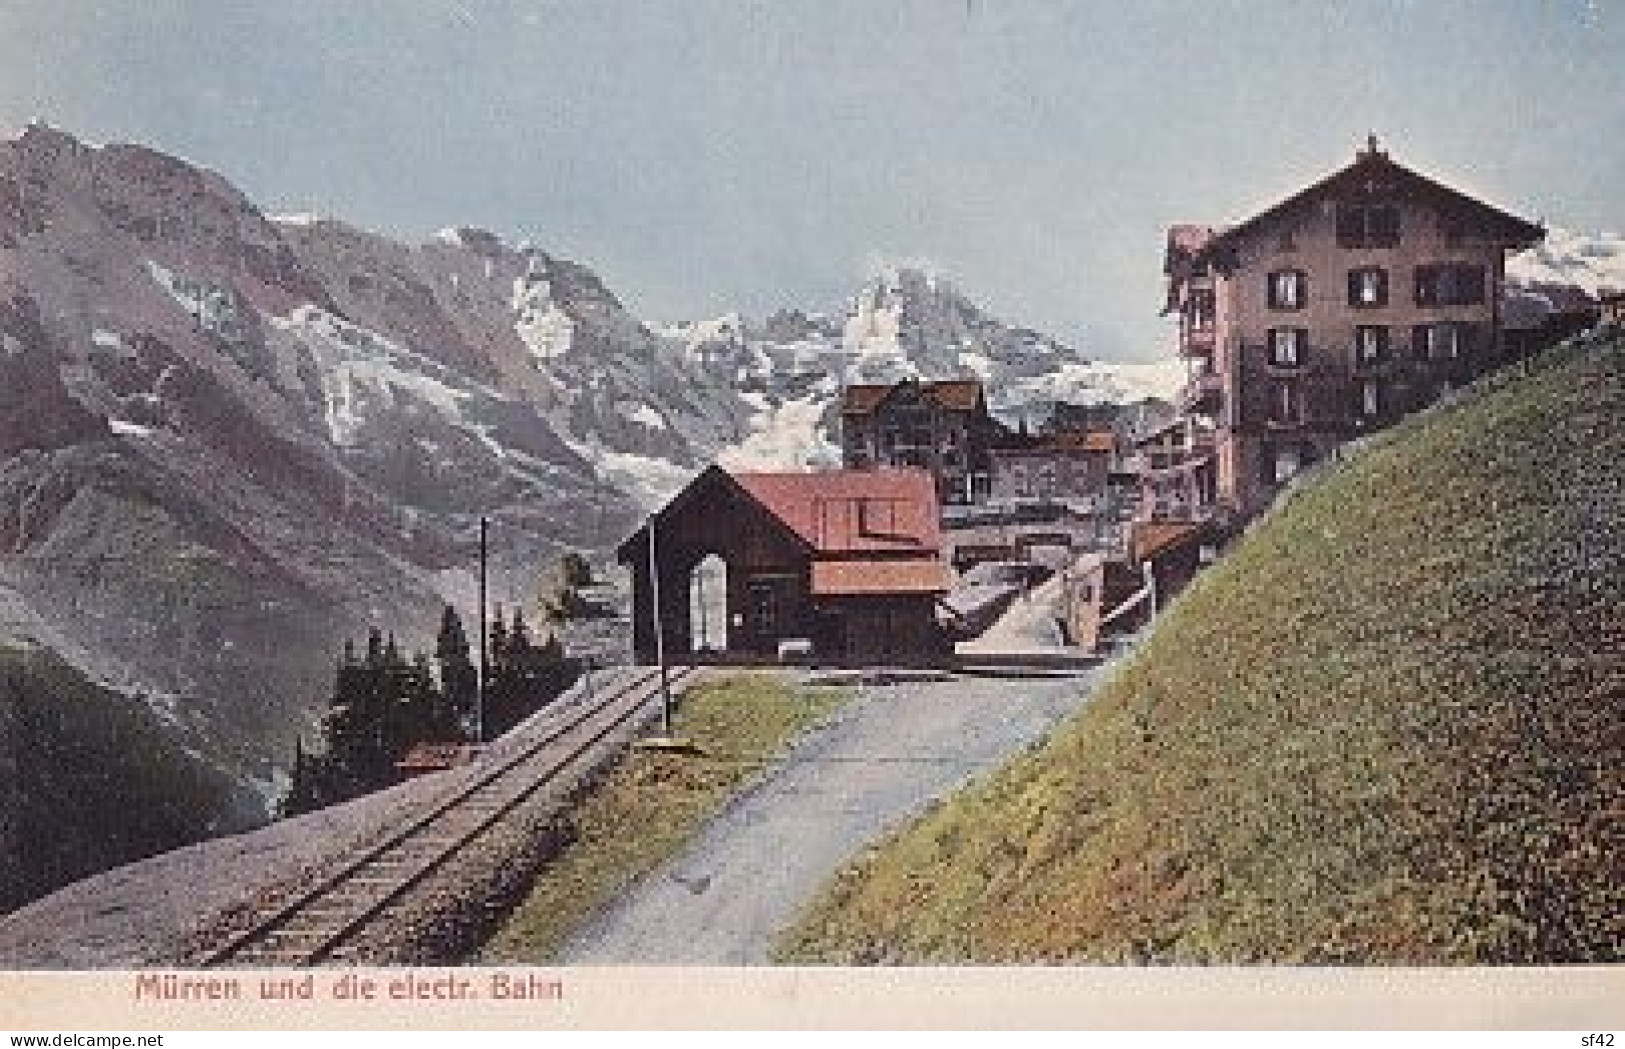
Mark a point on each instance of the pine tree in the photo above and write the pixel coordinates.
(574, 570)
(304, 789)
(458, 681)
(342, 766)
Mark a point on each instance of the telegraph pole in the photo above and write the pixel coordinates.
(479, 692)
(660, 639)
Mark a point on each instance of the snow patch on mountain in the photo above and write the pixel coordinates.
(1594, 263)
(362, 372)
(786, 436)
(545, 329)
(651, 481)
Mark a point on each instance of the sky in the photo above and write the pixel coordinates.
(706, 156)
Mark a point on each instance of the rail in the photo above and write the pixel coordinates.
(308, 928)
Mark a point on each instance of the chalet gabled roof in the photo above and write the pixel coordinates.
(891, 511)
(711, 483)
(1373, 170)
(959, 395)
(847, 513)
(1149, 540)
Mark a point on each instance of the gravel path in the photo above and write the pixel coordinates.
(1029, 625)
(884, 757)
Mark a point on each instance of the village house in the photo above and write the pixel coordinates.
(1331, 314)
(1063, 467)
(942, 427)
(1106, 593)
(1175, 465)
(1612, 309)
(845, 565)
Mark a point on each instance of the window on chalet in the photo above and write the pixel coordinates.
(1450, 284)
(1286, 406)
(1287, 346)
(1452, 229)
(1367, 226)
(1288, 290)
(1371, 343)
(1445, 341)
(1368, 287)
(1199, 310)
(1283, 465)
(1370, 398)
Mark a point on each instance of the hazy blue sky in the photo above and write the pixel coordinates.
(706, 155)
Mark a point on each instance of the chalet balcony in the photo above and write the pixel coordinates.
(1203, 394)
(1197, 342)
(1178, 510)
(1181, 461)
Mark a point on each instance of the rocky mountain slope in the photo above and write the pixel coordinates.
(228, 440)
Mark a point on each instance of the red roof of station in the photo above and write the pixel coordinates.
(873, 576)
(851, 511)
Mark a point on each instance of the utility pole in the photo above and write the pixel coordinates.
(479, 692)
(699, 585)
(660, 640)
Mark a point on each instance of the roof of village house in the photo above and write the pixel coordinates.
(1530, 306)
(1063, 441)
(1372, 167)
(430, 757)
(1081, 440)
(869, 576)
(1149, 539)
(959, 395)
(891, 510)
(1185, 242)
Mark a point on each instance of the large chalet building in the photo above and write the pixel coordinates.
(1326, 316)
(942, 427)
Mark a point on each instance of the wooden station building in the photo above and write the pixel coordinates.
(845, 565)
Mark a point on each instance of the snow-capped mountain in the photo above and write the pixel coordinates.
(904, 323)
(1593, 263)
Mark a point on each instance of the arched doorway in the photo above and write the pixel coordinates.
(708, 606)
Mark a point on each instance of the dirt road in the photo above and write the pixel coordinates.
(883, 758)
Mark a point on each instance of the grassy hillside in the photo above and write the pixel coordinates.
(1388, 727)
(91, 779)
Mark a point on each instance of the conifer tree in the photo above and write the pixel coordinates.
(458, 680)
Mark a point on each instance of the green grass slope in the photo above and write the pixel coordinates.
(1386, 728)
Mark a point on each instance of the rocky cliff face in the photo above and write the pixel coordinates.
(226, 442)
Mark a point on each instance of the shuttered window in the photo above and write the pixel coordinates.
(1286, 346)
(1450, 284)
(1367, 226)
(1371, 343)
(1287, 406)
(1288, 290)
(1368, 287)
(1370, 397)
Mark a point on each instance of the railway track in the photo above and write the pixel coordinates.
(309, 928)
